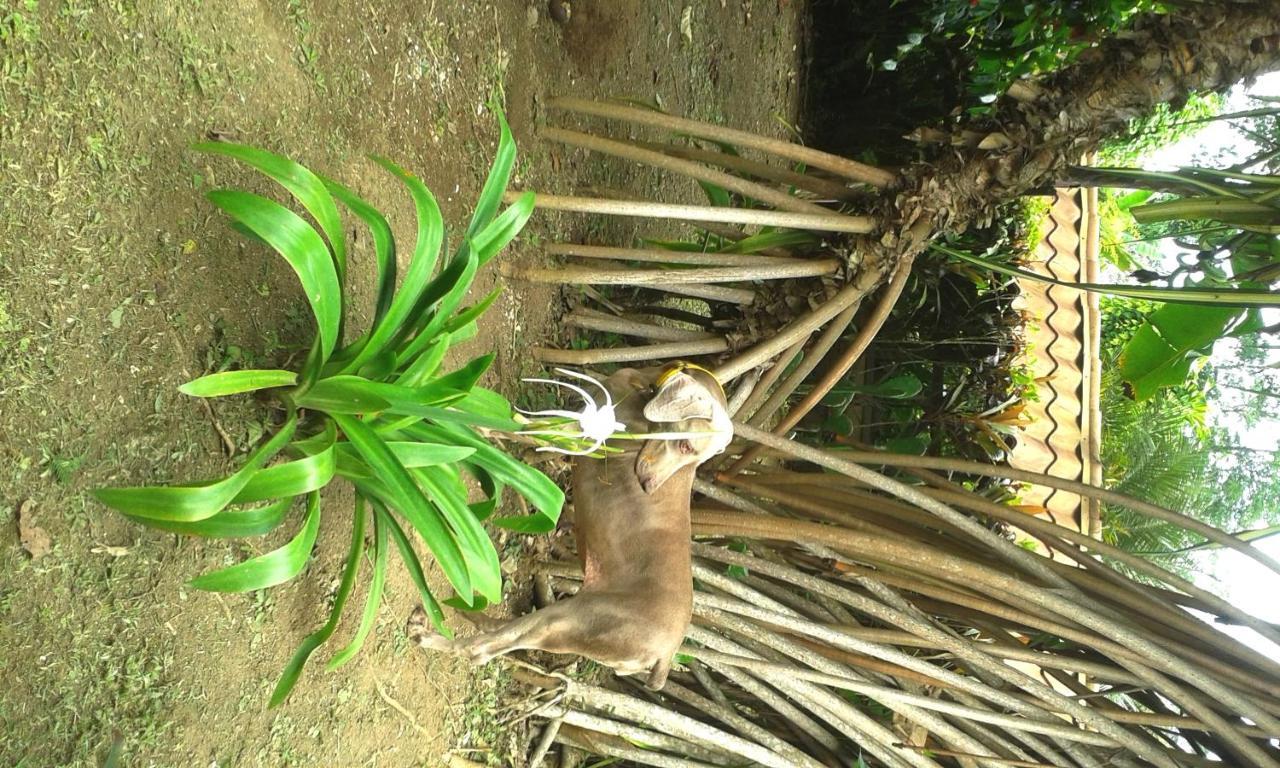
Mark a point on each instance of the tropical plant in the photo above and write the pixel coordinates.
(1008, 39)
(374, 409)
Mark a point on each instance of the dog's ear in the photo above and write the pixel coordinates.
(680, 397)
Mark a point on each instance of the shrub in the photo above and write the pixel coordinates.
(374, 409)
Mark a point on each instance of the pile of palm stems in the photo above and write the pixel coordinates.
(861, 608)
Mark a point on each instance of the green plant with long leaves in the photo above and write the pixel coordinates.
(375, 409)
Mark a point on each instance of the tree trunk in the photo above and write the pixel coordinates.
(1045, 126)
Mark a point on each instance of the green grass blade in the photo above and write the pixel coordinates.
(541, 492)
(308, 188)
(449, 301)
(384, 243)
(411, 455)
(466, 377)
(293, 478)
(229, 523)
(425, 251)
(1222, 297)
(189, 503)
(407, 498)
(289, 677)
(496, 182)
(236, 382)
(469, 315)
(489, 241)
(374, 598)
(301, 246)
(414, 566)
(275, 567)
(445, 488)
(786, 238)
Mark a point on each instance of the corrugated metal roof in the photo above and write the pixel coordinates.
(1063, 429)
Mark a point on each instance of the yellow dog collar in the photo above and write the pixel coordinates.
(674, 368)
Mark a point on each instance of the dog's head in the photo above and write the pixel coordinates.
(688, 400)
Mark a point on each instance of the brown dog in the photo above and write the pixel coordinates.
(631, 522)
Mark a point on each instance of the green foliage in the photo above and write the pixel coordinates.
(1004, 40)
(946, 374)
(1164, 450)
(375, 409)
(1164, 125)
(1226, 228)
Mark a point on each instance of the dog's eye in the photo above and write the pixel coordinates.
(685, 447)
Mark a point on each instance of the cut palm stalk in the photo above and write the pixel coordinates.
(570, 275)
(812, 359)
(769, 378)
(1072, 486)
(818, 186)
(825, 222)
(800, 328)
(886, 694)
(620, 749)
(839, 368)
(998, 582)
(659, 255)
(630, 354)
(780, 200)
(850, 169)
(976, 655)
(580, 319)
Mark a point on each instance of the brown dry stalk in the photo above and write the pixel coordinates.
(1102, 494)
(598, 321)
(850, 169)
(780, 269)
(659, 255)
(825, 222)
(819, 186)
(629, 354)
(839, 368)
(627, 151)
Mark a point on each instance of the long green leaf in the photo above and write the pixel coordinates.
(426, 363)
(425, 250)
(275, 567)
(1219, 297)
(308, 188)
(445, 489)
(407, 498)
(412, 564)
(411, 455)
(448, 287)
(356, 395)
(489, 241)
(470, 314)
(496, 182)
(188, 503)
(384, 244)
(301, 246)
(289, 677)
(374, 598)
(293, 478)
(236, 382)
(229, 523)
(541, 492)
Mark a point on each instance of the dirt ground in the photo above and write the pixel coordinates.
(118, 282)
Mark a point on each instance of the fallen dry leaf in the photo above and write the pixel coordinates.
(34, 540)
(107, 549)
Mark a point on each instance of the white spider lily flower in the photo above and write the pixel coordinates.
(595, 422)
